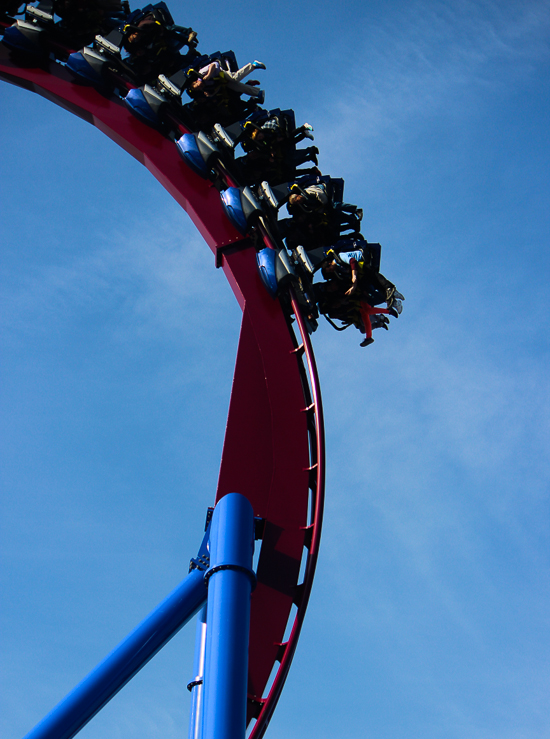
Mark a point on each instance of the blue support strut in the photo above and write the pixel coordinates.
(230, 579)
(197, 685)
(97, 689)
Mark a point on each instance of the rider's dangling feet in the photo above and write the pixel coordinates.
(366, 342)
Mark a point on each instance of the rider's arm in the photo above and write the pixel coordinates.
(212, 70)
(318, 192)
(352, 258)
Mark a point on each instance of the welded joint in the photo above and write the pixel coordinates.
(238, 568)
(255, 705)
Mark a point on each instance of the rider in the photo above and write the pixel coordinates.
(354, 288)
(153, 41)
(311, 225)
(271, 152)
(206, 80)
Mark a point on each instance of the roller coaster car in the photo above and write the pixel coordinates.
(279, 272)
(334, 187)
(248, 208)
(275, 269)
(98, 64)
(269, 140)
(219, 104)
(331, 295)
(250, 214)
(114, 57)
(153, 43)
(31, 35)
(39, 35)
(237, 131)
(158, 13)
(224, 107)
(242, 207)
(201, 152)
(150, 102)
(371, 252)
(320, 225)
(373, 294)
(160, 101)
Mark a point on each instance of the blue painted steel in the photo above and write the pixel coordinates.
(189, 150)
(15, 39)
(266, 267)
(231, 199)
(139, 106)
(81, 68)
(230, 580)
(197, 689)
(81, 704)
(249, 204)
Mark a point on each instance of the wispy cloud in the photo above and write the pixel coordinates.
(435, 58)
(154, 277)
(448, 443)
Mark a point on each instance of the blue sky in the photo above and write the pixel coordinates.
(429, 616)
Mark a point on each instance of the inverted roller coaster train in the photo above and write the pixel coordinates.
(272, 477)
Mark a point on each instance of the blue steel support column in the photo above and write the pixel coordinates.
(230, 580)
(97, 689)
(197, 686)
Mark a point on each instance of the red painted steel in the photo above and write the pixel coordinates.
(274, 429)
(317, 485)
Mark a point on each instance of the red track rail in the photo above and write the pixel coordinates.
(314, 412)
(274, 444)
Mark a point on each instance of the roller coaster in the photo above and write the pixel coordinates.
(272, 477)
